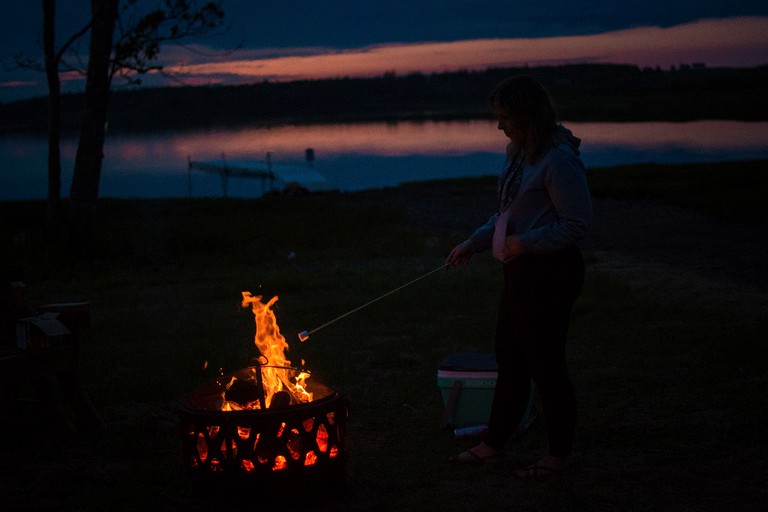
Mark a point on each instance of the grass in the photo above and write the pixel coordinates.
(669, 397)
(728, 190)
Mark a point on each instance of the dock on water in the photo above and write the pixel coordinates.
(275, 178)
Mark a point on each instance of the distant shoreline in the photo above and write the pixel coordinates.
(587, 92)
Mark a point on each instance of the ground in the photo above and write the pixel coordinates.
(666, 254)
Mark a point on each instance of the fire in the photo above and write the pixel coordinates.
(202, 447)
(301, 428)
(281, 383)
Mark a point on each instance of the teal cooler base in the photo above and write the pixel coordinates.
(467, 381)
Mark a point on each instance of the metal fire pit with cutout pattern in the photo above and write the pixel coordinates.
(291, 443)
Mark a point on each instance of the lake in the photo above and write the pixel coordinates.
(356, 156)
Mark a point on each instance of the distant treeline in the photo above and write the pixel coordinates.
(583, 92)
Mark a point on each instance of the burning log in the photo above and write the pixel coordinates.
(244, 392)
(280, 400)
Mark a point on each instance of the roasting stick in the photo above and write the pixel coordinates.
(304, 335)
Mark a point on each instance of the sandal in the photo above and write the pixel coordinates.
(478, 455)
(548, 466)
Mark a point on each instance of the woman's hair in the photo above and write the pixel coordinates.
(530, 109)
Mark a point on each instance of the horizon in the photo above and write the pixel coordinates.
(372, 76)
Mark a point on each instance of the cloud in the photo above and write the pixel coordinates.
(736, 42)
(727, 42)
(17, 83)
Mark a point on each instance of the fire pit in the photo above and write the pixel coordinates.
(301, 439)
(266, 423)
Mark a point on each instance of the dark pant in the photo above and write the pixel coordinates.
(534, 314)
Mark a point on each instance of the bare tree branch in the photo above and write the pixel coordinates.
(74, 38)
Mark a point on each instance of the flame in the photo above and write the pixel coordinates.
(277, 374)
(294, 444)
(322, 439)
(202, 447)
(280, 463)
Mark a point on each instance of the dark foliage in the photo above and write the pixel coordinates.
(584, 92)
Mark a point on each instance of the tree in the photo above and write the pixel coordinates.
(90, 147)
(124, 42)
(53, 60)
(131, 49)
(54, 117)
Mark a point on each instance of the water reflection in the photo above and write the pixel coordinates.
(359, 156)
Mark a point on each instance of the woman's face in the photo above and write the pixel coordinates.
(508, 126)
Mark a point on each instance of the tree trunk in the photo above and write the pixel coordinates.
(90, 148)
(53, 213)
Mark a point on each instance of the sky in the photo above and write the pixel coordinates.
(301, 39)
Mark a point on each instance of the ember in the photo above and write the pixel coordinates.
(266, 419)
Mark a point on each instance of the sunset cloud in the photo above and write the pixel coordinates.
(715, 42)
(734, 42)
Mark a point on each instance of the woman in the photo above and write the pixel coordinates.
(544, 209)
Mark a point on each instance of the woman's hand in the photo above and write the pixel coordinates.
(512, 248)
(505, 247)
(461, 254)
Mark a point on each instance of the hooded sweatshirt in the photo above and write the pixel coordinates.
(551, 208)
